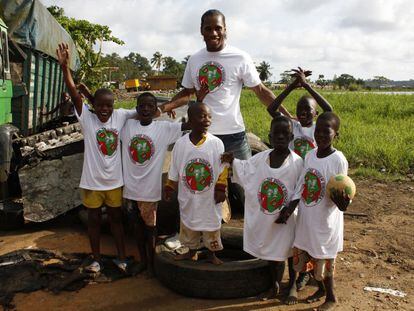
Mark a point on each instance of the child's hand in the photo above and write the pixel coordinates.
(62, 53)
(219, 195)
(202, 92)
(168, 193)
(227, 157)
(283, 216)
(341, 200)
(301, 75)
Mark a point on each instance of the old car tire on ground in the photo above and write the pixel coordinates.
(244, 276)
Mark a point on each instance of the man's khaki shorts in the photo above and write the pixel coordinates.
(303, 262)
(97, 198)
(192, 239)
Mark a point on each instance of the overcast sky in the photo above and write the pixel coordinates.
(362, 38)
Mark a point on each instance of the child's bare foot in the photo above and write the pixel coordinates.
(316, 296)
(303, 279)
(271, 293)
(292, 299)
(192, 254)
(328, 305)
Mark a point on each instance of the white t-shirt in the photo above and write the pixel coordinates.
(102, 166)
(320, 224)
(197, 168)
(267, 191)
(225, 72)
(143, 153)
(303, 139)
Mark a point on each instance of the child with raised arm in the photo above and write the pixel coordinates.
(320, 222)
(101, 182)
(304, 127)
(269, 180)
(144, 144)
(196, 171)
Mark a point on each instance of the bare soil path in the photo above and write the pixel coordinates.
(379, 252)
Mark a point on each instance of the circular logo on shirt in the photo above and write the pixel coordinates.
(212, 74)
(314, 188)
(141, 149)
(198, 175)
(107, 140)
(302, 145)
(272, 195)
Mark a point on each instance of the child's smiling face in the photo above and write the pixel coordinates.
(104, 106)
(306, 111)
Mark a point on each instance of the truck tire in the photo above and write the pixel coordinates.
(240, 275)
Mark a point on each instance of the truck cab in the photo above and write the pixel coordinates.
(5, 78)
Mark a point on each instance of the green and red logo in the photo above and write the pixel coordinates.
(314, 188)
(141, 149)
(198, 175)
(302, 145)
(272, 195)
(212, 74)
(107, 141)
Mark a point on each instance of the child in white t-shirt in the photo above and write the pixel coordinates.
(144, 144)
(197, 172)
(101, 182)
(304, 127)
(269, 180)
(320, 221)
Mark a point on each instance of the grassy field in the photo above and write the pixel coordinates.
(377, 130)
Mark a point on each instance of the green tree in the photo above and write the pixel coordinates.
(344, 80)
(264, 71)
(321, 81)
(380, 81)
(172, 67)
(286, 77)
(156, 61)
(86, 36)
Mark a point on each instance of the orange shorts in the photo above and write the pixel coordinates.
(303, 262)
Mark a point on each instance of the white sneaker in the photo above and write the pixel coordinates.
(94, 267)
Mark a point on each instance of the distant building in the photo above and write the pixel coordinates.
(162, 82)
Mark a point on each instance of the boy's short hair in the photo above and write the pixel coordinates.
(279, 117)
(146, 94)
(192, 107)
(304, 99)
(330, 116)
(103, 92)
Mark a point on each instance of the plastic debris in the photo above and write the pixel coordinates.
(390, 291)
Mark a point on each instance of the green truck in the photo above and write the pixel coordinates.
(40, 152)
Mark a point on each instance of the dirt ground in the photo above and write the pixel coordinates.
(378, 252)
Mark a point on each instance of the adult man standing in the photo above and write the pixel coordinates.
(219, 72)
(222, 70)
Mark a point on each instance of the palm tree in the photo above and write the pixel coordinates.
(264, 71)
(156, 61)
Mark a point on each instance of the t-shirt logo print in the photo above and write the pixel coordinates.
(302, 145)
(198, 175)
(212, 74)
(314, 188)
(141, 149)
(107, 140)
(272, 195)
